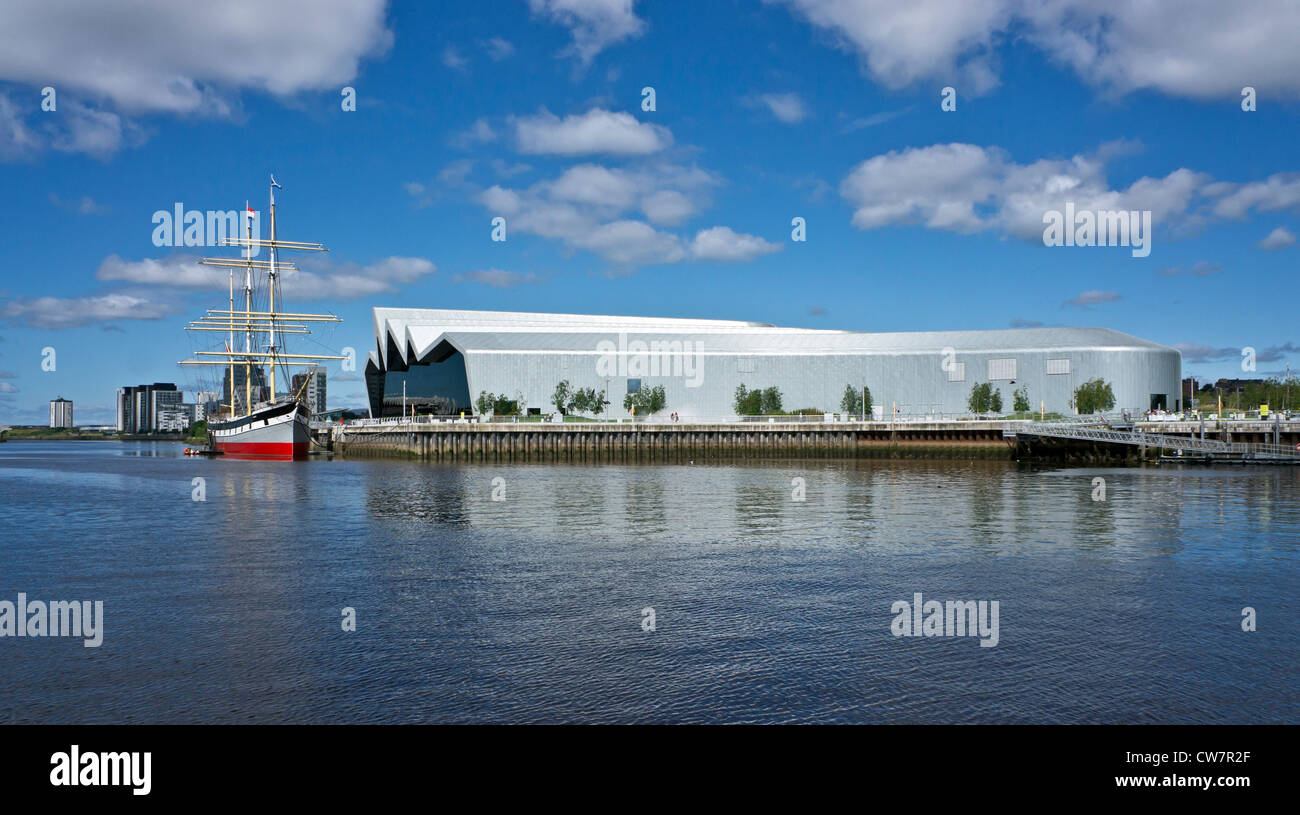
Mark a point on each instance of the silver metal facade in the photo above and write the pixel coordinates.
(701, 362)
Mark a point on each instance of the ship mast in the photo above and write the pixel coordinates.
(271, 286)
(252, 322)
(248, 307)
(230, 346)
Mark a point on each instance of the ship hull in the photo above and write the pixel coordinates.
(280, 431)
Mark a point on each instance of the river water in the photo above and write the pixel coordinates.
(523, 592)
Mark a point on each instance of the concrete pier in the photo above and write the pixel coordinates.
(650, 442)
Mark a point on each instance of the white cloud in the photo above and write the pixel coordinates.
(1190, 48)
(480, 132)
(501, 201)
(938, 186)
(1279, 238)
(77, 129)
(86, 206)
(1202, 268)
(456, 173)
(71, 312)
(160, 55)
(596, 185)
(419, 193)
(588, 207)
(452, 59)
(903, 43)
(16, 138)
(352, 282)
(632, 243)
(496, 278)
(722, 244)
(342, 282)
(1091, 298)
(594, 132)
(875, 119)
(595, 24)
(965, 188)
(1196, 352)
(1278, 191)
(498, 49)
(506, 169)
(787, 107)
(667, 207)
(97, 132)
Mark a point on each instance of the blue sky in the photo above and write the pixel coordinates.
(828, 110)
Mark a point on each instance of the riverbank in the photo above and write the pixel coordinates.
(17, 435)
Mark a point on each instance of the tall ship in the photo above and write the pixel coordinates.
(252, 422)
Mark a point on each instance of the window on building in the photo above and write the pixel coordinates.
(745, 365)
(1002, 369)
(957, 372)
(633, 385)
(1058, 366)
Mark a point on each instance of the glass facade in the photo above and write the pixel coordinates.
(439, 388)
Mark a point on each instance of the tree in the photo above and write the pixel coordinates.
(485, 403)
(647, 401)
(658, 401)
(561, 397)
(748, 403)
(758, 402)
(586, 400)
(595, 402)
(981, 398)
(995, 401)
(866, 402)
(501, 406)
(852, 401)
(1094, 396)
(770, 403)
(579, 401)
(1021, 397)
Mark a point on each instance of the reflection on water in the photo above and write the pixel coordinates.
(528, 608)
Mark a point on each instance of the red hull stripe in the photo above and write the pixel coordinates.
(285, 450)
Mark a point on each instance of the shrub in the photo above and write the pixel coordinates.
(1021, 399)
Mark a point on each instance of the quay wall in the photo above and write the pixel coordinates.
(669, 442)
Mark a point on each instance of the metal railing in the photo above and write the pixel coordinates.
(1156, 440)
(666, 419)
